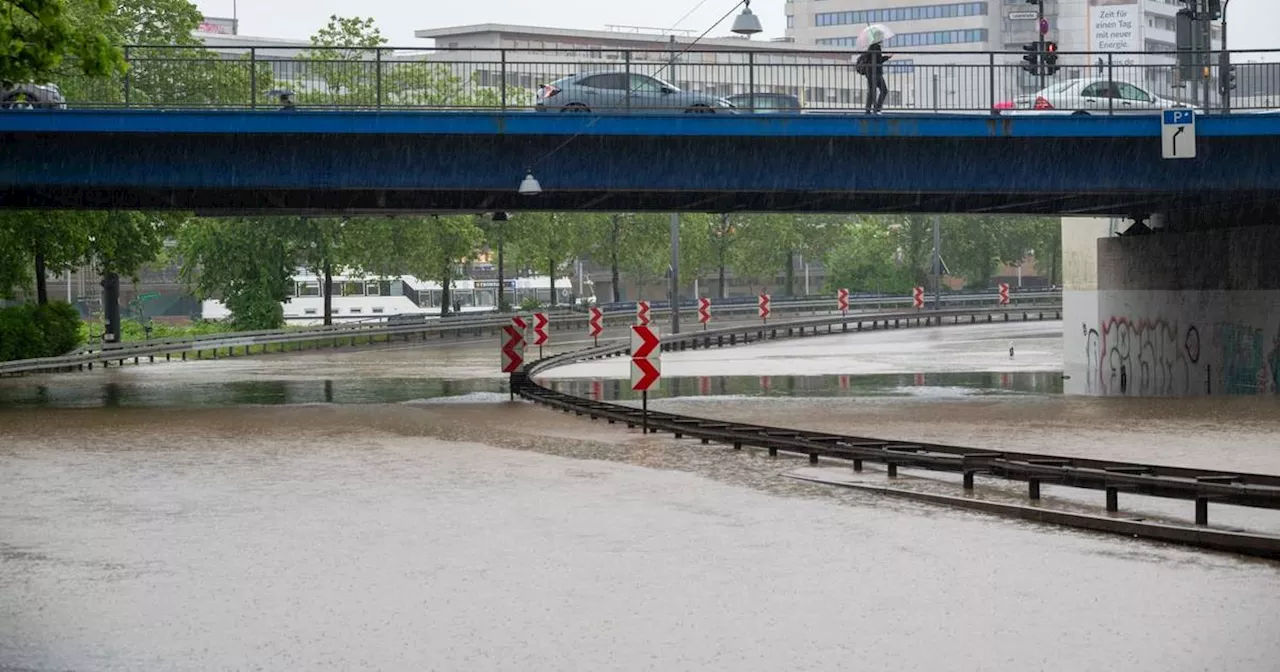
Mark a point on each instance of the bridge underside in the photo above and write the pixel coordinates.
(358, 162)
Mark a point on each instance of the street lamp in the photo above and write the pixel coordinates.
(747, 23)
(529, 185)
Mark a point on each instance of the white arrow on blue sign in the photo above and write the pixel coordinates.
(1178, 134)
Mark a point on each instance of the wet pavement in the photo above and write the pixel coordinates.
(456, 530)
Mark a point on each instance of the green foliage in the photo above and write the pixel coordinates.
(547, 241)
(248, 262)
(133, 330)
(865, 260)
(38, 36)
(345, 68)
(30, 331)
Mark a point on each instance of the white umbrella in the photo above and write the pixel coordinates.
(873, 33)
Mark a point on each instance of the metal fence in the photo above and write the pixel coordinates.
(509, 79)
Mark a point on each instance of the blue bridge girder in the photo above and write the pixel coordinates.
(430, 161)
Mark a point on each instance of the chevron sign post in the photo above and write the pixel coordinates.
(646, 366)
(1004, 294)
(642, 313)
(595, 325)
(704, 311)
(540, 322)
(512, 348)
(842, 301)
(917, 297)
(764, 308)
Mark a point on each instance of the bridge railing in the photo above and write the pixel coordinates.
(823, 78)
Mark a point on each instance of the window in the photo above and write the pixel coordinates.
(613, 81)
(377, 310)
(1131, 92)
(353, 311)
(644, 84)
(308, 311)
(897, 14)
(791, 21)
(1098, 90)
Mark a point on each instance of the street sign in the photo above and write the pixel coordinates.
(842, 300)
(1178, 134)
(512, 348)
(1022, 16)
(644, 373)
(917, 297)
(1004, 294)
(148, 296)
(594, 325)
(704, 311)
(642, 313)
(540, 329)
(645, 342)
(764, 307)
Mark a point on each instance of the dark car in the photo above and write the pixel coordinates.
(765, 102)
(32, 96)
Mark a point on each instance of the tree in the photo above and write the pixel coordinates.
(866, 259)
(547, 241)
(445, 242)
(319, 245)
(45, 239)
(346, 67)
(249, 263)
(38, 36)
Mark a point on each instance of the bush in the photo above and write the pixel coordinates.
(530, 303)
(29, 331)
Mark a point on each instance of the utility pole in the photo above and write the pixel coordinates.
(675, 272)
(1040, 27)
(937, 262)
(1226, 74)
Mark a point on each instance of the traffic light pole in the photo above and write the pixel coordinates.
(1225, 75)
(1040, 29)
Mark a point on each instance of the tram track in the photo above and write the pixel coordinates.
(1113, 477)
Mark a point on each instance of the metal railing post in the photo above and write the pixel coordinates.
(253, 78)
(128, 77)
(991, 82)
(626, 57)
(751, 78)
(1111, 78)
(936, 91)
(377, 63)
(503, 77)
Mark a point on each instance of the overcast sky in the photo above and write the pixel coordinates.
(1255, 24)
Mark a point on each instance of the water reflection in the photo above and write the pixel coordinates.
(881, 385)
(186, 394)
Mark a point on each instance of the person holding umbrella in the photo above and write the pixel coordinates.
(871, 64)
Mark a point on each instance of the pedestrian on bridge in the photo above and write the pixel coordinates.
(871, 65)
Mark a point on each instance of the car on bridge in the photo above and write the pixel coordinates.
(32, 96)
(1088, 95)
(765, 103)
(619, 91)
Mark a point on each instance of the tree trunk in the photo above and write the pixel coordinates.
(112, 329)
(501, 280)
(791, 273)
(613, 261)
(551, 276)
(42, 283)
(720, 278)
(445, 299)
(328, 293)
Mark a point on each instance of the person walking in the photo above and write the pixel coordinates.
(871, 65)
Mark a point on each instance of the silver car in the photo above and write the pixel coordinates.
(623, 92)
(32, 96)
(1088, 95)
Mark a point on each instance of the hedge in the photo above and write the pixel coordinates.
(31, 331)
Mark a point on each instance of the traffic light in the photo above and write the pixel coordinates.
(1227, 79)
(1032, 58)
(1050, 58)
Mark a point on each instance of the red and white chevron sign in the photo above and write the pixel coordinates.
(594, 325)
(644, 373)
(540, 322)
(764, 307)
(704, 310)
(642, 313)
(645, 343)
(512, 339)
(917, 297)
(842, 300)
(1004, 294)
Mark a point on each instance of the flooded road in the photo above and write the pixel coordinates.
(412, 518)
(483, 535)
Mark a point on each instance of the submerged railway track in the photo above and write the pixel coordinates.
(1203, 487)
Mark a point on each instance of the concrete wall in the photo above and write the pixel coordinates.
(1176, 315)
(1079, 294)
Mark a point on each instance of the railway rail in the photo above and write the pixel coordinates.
(1110, 476)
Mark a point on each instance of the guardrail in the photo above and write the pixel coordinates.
(1199, 485)
(214, 344)
(822, 77)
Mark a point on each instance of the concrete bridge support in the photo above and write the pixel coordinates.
(1164, 312)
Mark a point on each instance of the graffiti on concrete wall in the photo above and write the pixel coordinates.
(1157, 357)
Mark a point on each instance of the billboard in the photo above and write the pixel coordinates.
(1116, 26)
